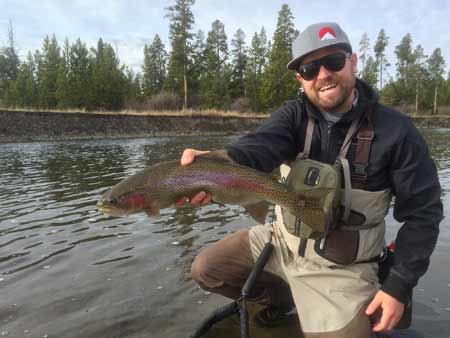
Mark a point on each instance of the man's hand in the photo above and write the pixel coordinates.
(201, 198)
(391, 311)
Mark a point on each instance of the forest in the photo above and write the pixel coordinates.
(206, 71)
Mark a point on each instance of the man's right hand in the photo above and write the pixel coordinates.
(200, 198)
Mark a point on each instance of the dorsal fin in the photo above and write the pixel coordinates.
(217, 155)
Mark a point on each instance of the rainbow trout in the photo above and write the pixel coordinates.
(161, 185)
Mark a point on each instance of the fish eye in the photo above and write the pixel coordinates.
(112, 201)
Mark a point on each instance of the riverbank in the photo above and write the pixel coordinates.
(26, 126)
(23, 126)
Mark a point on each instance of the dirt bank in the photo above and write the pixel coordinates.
(17, 126)
(48, 126)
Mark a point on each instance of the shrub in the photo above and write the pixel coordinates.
(241, 105)
(163, 101)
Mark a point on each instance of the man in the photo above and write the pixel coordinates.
(336, 112)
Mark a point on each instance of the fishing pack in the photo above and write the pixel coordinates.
(307, 174)
(336, 217)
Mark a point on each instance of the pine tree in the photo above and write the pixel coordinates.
(419, 73)
(446, 96)
(214, 87)
(133, 92)
(197, 71)
(405, 59)
(108, 79)
(436, 66)
(80, 72)
(370, 74)
(239, 60)
(9, 62)
(405, 69)
(23, 91)
(379, 49)
(363, 49)
(62, 81)
(154, 68)
(48, 67)
(181, 22)
(280, 84)
(256, 63)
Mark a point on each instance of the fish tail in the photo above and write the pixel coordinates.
(312, 198)
(309, 206)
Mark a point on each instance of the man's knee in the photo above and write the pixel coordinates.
(198, 267)
(202, 271)
(222, 261)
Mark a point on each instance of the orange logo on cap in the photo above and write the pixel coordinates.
(327, 33)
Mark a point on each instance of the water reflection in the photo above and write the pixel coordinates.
(67, 270)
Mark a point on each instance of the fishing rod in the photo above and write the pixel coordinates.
(240, 305)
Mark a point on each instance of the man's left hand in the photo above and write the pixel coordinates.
(391, 311)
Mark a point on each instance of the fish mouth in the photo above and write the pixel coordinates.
(107, 209)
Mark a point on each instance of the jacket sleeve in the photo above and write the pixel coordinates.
(273, 143)
(418, 205)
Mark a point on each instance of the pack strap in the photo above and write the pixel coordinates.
(348, 138)
(308, 140)
(346, 168)
(347, 189)
(364, 143)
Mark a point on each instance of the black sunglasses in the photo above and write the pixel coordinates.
(333, 62)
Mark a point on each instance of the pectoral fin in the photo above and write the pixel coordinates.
(153, 210)
(258, 210)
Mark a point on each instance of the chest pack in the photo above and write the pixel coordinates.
(307, 174)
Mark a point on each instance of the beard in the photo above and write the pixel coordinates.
(333, 95)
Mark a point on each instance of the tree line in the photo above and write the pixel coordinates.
(204, 71)
(419, 80)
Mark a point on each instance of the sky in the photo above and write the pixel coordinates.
(130, 24)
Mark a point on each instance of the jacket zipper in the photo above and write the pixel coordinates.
(327, 144)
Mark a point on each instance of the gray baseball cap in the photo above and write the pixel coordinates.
(315, 37)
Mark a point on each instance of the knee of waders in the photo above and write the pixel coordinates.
(202, 272)
(197, 268)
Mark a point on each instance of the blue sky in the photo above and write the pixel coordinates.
(129, 24)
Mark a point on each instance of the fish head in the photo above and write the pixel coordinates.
(127, 203)
(129, 196)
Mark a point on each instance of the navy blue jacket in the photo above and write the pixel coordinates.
(399, 160)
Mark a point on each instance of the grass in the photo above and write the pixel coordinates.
(130, 112)
(443, 111)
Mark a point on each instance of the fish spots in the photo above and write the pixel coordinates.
(242, 184)
(228, 180)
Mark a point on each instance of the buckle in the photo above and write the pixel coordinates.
(383, 255)
(366, 136)
(360, 169)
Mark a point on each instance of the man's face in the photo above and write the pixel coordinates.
(330, 91)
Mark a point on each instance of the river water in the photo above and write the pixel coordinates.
(67, 270)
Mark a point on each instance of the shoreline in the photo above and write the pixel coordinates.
(41, 126)
(27, 126)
